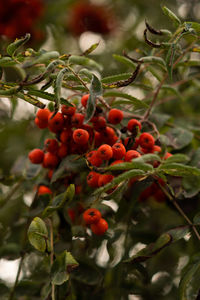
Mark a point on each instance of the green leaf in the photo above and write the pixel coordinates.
(95, 91)
(58, 86)
(147, 158)
(118, 179)
(7, 62)
(154, 60)
(42, 58)
(71, 163)
(177, 158)
(87, 73)
(176, 21)
(85, 61)
(11, 49)
(91, 49)
(134, 101)
(179, 137)
(38, 234)
(114, 78)
(124, 60)
(170, 59)
(62, 267)
(175, 169)
(189, 283)
(194, 25)
(130, 166)
(60, 200)
(172, 90)
(47, 96)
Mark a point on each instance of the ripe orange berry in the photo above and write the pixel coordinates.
(99, 123)
(65, 135)
(68, 110)
(91, 216)
(41, 124)
(43, 189)
(43, 114)
(50, 160)
(50, 174)
(80, 136)
(134, 125)
(131, 154)
(105, 152)
(94, 159)
(56, 123)
(92, 179)
(116, 162)
(77, 120)
(62, 151)
(100, 227)
(167, 155)
(51, 145)
(84, 100)
(115, 116)
(104, 179)
(36, 156)
(118, 150)
(146, 140)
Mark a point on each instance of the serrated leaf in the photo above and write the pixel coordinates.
(134, 101)
(84, 61)
(114, 78)
(62, 267)
(118, 179)
(95, 91)
(177, 158)
(176, 169)
(147, 158)
(11, 49)
(179, 137)
(189, 283)
(38, 234)
(60, 200)
(71, 163)
(176, 21)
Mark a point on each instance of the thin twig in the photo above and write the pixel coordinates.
(17, 277)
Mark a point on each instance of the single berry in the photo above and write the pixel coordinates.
(146, 140)
(84, 100)
(91, 216)
(92, 179)
(43, 189)
(167, 155)
(131, 154)
(99, 123)
(62, 151)
(118, 151)
(105, 152)
(77, 120)
(50, 160)
(36, 156)
(104, 179)
(56, 123)
(43, 114)
(115, 116)
(51, 145)
(41, 124)
(134, 126)
(100, 227)
(94, 159)
(65, 135)
(80, 136)
(68, 110)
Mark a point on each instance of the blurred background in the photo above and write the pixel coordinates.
(71, 27)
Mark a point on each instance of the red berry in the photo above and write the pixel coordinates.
(51, 145)
(157, 148)
(105, 152)
(115, 116)
(65, 135)
(131, 154)
(134, 125)
(146, 140)
(167, 155)
(84, 100)
(56, 123)
(77, 120)
(91, 216)
(50, 174)
(80, 136)
(62, 151)
(100, 227)
(41, 124)
(50, 160)
(94, 159)
(116, 162)
(36, 156)
(104, 179)
(118, 151)
(99, 123)
(92, 179)
(72, 214)
(43, 114)
(43, 189)
(68, 110)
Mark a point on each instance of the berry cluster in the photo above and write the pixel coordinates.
(93, 218)
(103, 142)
